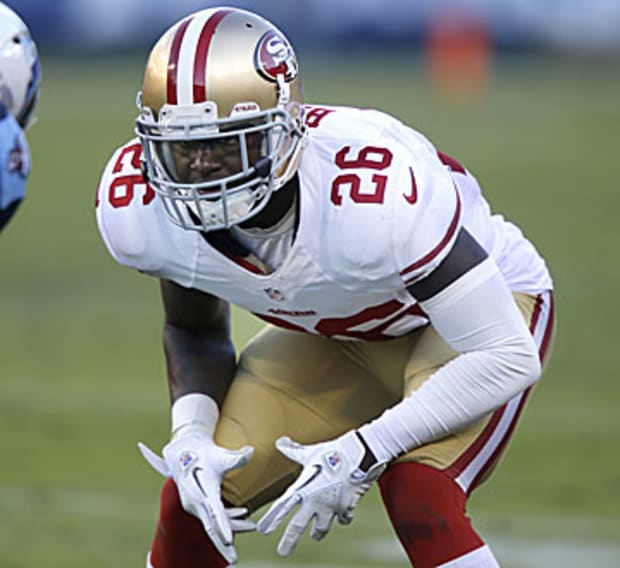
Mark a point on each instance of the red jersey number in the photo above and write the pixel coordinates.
(370, 158)
(122, 189)
(384, 315)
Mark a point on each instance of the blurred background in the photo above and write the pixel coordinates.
(525, 92)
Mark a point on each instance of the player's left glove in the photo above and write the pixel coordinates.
(335, 475)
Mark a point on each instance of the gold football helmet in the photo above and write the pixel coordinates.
(220, 117)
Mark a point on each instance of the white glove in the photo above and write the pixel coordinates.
(330, 485)
(197, 466)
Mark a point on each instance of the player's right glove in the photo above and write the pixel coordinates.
(197, 466)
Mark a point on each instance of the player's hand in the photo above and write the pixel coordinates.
(330, 485)
(197, 466)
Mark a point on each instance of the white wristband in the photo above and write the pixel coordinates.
(195, 409)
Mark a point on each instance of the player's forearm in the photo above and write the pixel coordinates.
(478, 318)
(198, 362)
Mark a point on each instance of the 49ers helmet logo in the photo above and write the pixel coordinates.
(274, 56)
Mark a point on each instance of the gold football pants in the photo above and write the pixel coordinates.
(313, 389)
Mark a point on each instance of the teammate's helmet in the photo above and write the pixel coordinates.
(225, 81)
(19, 67)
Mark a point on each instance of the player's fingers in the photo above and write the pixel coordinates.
(237, 458)
(321, 525)
(346, 517)
(223, 544)
(220, 520)
(294, 530)
(292, 450)
(273, 517)
(237, 524)
(242, 525)
(156, 462)
(211, 510)
(236, 512)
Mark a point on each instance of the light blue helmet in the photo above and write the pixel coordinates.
(20, 73)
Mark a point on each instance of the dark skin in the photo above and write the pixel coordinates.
(202, 160)
(200, 356)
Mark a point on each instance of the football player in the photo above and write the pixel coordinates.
(407, 323)
(19, 90)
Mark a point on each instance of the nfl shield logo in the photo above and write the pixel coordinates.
(334, 460)
(274, 294)
(186, 459)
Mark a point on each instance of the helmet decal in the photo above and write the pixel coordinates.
(274, 56)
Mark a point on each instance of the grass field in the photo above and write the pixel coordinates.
(82, 369)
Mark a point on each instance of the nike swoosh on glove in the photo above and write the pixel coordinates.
(197, 466)
(335, 475)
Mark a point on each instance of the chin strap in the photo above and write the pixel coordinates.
(284, 91)
(144, 170)
(262, 167)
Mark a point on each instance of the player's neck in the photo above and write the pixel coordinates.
(279, 205)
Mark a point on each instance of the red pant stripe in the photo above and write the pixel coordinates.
(471, 467)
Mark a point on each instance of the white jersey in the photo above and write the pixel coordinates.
(379, 209)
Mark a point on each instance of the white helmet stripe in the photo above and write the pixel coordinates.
(185, 73)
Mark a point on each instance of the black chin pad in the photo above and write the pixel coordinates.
(263, 167)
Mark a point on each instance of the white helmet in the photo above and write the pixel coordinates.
(19, 67)
(225, 79)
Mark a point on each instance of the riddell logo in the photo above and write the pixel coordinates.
(274, 56)
(240, 108)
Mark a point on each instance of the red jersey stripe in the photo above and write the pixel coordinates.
(549, 330)
(484, 470)
(202, 53)
(434, 252)
(536, 313)
(542, 315)
(461, 463)
(453, 164)
(173, 62)
(255, 267)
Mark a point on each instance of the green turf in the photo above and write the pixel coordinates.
(81, 364)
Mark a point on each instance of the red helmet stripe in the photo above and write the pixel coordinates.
(202, 52)
(173, 62)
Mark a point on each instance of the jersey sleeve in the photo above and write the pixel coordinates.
(428, 214)
(134, 225)
(121, 229)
